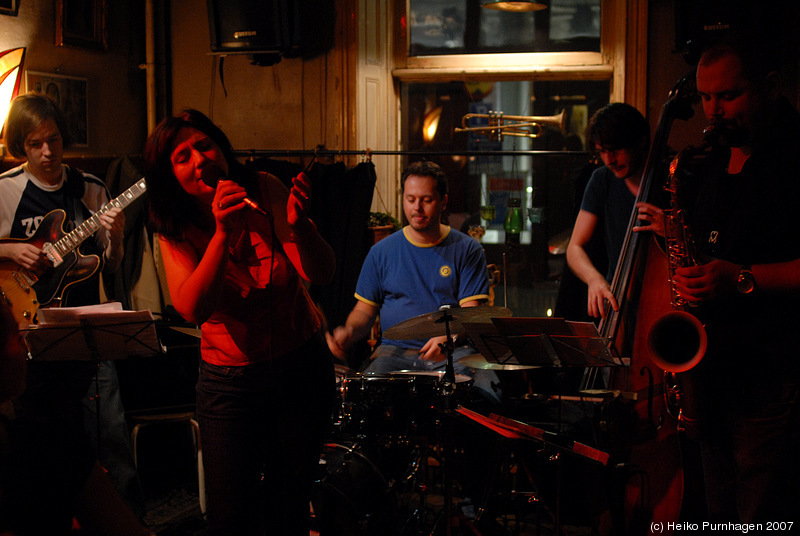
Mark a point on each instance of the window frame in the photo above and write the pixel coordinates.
(622, 57)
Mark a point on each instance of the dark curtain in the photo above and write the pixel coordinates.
(340, 203)
(122, 174)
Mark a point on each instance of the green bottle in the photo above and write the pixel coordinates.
(513, 221)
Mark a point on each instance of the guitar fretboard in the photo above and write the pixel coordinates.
(75, 238)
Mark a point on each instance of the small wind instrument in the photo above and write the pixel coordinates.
(527, 126)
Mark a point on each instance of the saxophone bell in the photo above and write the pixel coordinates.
(677, 341)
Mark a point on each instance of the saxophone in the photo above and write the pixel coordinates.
(677, 340)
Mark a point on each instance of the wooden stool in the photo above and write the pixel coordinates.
(163, 418)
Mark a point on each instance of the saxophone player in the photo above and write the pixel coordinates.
(744, 220)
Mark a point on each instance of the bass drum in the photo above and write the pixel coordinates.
(351, 497)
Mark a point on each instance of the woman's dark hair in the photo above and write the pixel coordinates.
(171, 209)
(26, 114)
(618, 126)
(424, 168)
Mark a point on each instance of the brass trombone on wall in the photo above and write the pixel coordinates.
(526, 126)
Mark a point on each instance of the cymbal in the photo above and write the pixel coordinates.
(557, 245)
(477, 361)
(432, 324)
(194, 332)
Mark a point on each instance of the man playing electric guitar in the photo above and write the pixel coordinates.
(57, 391)
(44, 184)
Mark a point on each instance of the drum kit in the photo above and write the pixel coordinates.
(399, 439)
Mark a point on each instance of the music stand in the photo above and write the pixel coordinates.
(489, 342)
(86, 334)
(556, 342)
(92, 333)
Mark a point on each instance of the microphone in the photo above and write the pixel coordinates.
(212, 174)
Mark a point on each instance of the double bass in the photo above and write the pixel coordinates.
(647, 480)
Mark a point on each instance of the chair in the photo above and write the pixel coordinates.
(144, 420)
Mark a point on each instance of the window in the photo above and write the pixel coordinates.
(462, 27)
(458, 58)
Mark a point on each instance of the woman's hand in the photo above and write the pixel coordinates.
(297, 208)
(228, 206)
(299, 201)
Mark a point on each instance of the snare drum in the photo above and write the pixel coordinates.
(392, 407)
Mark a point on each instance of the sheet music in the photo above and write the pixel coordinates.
(54, 315)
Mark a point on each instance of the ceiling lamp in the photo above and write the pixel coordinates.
(518, 6)
(10, 69)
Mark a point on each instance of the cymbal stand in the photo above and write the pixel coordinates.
(447, 389)
(448, 347)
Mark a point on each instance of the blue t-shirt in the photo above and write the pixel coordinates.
(405, 279)
(609, 198)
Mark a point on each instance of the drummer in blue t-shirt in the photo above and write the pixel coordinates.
(415, 272)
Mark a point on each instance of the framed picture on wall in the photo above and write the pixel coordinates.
(70, 93)
(9, 7)
(81, 23)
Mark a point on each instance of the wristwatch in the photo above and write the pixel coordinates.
(745, 284)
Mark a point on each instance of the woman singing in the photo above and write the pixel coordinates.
(266, 384)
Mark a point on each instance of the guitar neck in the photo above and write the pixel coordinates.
(75, 238)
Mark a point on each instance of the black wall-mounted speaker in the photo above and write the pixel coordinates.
(286, 27)
(701, 22)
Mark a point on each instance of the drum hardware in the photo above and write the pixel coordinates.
(352, 495)
(450, 517)
(513, 444)
(366, 490)
(447, 386)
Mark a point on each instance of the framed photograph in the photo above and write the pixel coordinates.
(71, 95)
(81, 23)
(9, 7)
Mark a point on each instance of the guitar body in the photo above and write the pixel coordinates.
(75, 267)
(17, 292)
(50, 287)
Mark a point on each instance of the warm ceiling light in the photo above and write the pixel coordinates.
(518, 6)
(10, 69)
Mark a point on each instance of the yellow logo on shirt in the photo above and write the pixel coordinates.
(445, 271)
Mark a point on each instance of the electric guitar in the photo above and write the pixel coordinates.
(25, 291)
